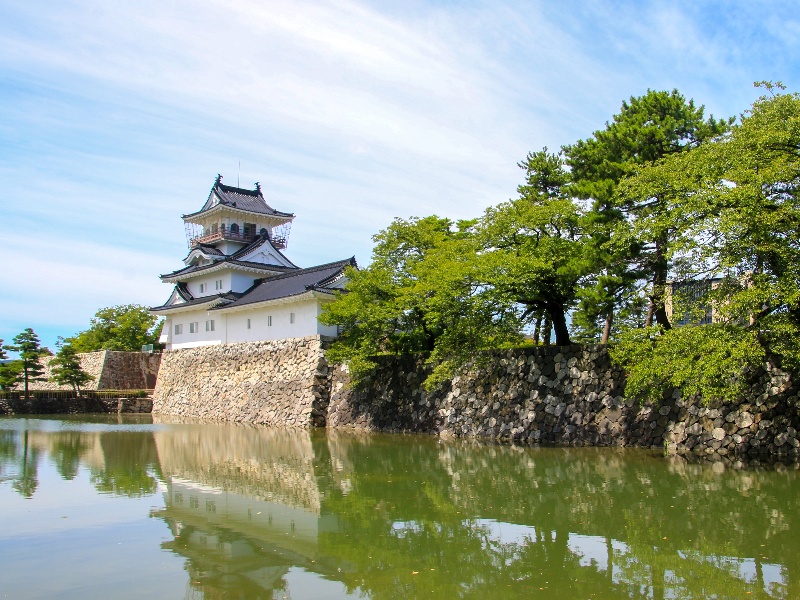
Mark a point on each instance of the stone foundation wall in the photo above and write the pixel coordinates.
(129, 371)
(280, 382)
(566, 396)
(111, 370)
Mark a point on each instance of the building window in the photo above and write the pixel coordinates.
(210, 325)
(218, 284)
(213, 228)
(202, 287)
(234, 228)
(248, 323)
(269, 321)
(194, 327)
(178, 329)
(291, 317)
(249, 230)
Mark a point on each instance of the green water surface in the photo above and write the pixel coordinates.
(140, 508)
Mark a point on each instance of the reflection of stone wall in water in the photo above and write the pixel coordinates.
(566, 396)
(111, 370)
(260, 463)
(280, 382)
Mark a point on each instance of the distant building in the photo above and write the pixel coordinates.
(237, 285)
(693, 296)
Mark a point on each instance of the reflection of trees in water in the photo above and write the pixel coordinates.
(19, 461)
(8, 452)
(67, 448)
(27, 480)
(131, 465)
(687, 530)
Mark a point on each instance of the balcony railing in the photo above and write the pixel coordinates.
(233, 236)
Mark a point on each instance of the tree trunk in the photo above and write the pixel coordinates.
(25, 370)
(660, 284)
(651, 307)
(537, 328)
(607, 328)
(548, 330)
(559, 320)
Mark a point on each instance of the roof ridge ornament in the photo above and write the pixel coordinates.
(258, 188)
(218, 179)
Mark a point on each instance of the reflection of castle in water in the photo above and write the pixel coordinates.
(243, 505)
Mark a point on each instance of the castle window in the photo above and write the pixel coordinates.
(178, 329)
(194, 327)
(218, 284)
(202, 287)
(291, 317)
(210, 325)
(235, 228)
(269, 321)
(248, 323)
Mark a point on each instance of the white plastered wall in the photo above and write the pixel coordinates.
(201, 337)
(305, 322)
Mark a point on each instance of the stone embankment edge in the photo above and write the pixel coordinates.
(567, 396)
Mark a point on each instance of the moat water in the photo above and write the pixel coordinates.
(94, 507)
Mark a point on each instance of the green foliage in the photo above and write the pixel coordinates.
(647, 129)
(735, 203)
(421, 293)
(125, 328)
(532, 248)
(713, 360)
(603, 230)
(66, 368)
(9, 372)
(27, 345)
(10, 375)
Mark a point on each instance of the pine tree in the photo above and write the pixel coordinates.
(28, 346)
(9, 371)
(66, 368)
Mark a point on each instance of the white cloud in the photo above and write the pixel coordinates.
(117, 117)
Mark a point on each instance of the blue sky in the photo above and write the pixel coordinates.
(116, 117)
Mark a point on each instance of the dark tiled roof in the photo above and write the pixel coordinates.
(234, 197)
(225, 298)
(241, 263)
(209, 249)
(183, 291)
(256, 243)
(294, 283)
(206, 249)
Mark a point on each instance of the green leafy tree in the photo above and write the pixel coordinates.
(647, 129)
(126, 328)
(421, 293)
(28, 346)
(736, 202)
(66, 368)
(533, 248)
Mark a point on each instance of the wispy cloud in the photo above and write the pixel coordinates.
(117, 117)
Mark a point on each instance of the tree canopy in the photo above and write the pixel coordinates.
(30, 369)
(66, 368)
(670, 235)
(125, 328)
